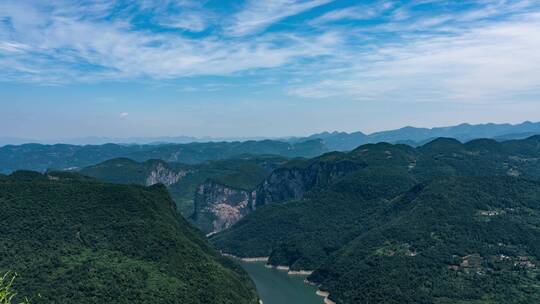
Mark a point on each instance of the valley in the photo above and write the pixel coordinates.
(383, 222)
(269, 152)
(277, 287)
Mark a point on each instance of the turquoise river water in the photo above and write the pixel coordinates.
(277, 287)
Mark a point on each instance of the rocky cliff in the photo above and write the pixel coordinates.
(218, 207)
(294, 183)
(162, 174)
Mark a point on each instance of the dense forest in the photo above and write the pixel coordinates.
(71, 239)
(445, 222)
(41, 158)
(242, 172)
(442, 223)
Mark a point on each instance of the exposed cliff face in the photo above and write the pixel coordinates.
(293, 183)
(161, 174)
(218, 207)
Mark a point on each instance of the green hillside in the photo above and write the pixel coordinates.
(73, 240)
(443, 223)
(39, 157)
(243, 172)
(464, 240)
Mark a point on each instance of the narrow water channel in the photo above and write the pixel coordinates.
(277, 287)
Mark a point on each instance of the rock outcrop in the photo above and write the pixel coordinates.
(293, 183)
(161, 174)
(218, 207)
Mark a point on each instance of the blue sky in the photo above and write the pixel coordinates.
(263, 68)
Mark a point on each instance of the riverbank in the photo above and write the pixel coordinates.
(247, 260)
(288, 271)
(326, 296)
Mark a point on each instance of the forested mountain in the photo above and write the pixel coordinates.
(72, 239)
(184, 181)
(442, 223)
(39, 157)
(342, 141)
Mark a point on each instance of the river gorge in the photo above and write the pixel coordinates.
(278, 287)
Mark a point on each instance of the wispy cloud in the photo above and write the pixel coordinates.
(483, 51)
(65, 43)
(257, 15)
(358, 12)
(484, 63)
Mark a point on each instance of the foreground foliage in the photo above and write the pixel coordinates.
(6, 290)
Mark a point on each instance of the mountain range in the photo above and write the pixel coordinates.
(445, 222)
(339, 141)
(342, 141)
(434, 221)
(41, 157)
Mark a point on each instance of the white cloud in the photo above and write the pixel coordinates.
(124, 114)
(258, 15)
(464, 56)
(194, 22)
(493, 62)
(359, 12)
(12, 47)
(62, 42)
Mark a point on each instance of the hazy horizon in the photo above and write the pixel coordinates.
(83, 140)
(276, 68)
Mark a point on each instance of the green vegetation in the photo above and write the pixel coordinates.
(442, 223)
(243, 172)
(6, 290)
(342, 141)
(60, 157)
(73, 240)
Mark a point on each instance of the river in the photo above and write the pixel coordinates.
(277, 287)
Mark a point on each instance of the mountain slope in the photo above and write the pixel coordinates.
(222, 178)
(379, 165)
(464, 240)
(403, 202)
(73, 240)
(60, 157)
(342, 141)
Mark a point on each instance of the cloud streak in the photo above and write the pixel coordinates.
(390, 50)
(258, 15)
(451, 58)
(83, 48)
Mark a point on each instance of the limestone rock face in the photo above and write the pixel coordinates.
(163, 175)
(218, 207)
(294, 183)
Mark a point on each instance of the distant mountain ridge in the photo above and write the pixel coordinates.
(336, 140)
(101, 140)
(343, 141)
(39, 157)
